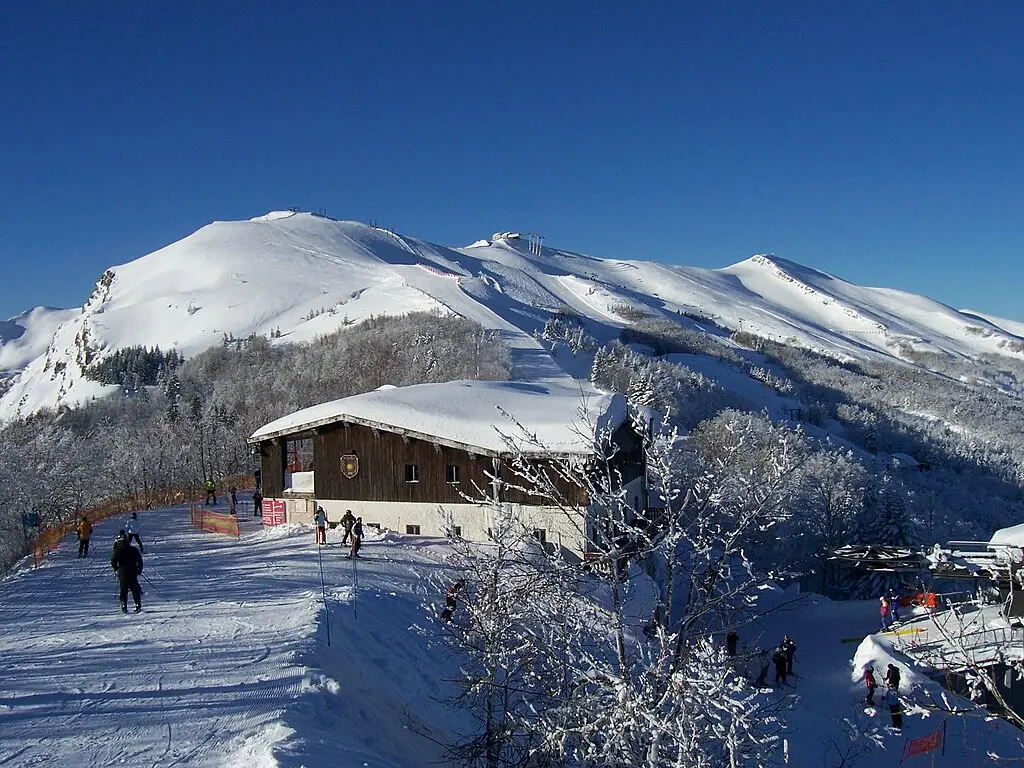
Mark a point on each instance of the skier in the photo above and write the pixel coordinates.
(211, 492)
(257, 503)
(450, 602)
(119, 541)
(884, 611)
(762, 678)
(894, 606)
(347, 521)
(871, 684)
(892, 678)
(232, 501)
(132, 529)
(895, 711)
(127, 562)
(779, 659)
(84, 532)
(789, 647)
(357, 537)
(731, 639)
(321, 526)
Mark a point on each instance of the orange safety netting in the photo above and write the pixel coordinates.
(49, 539)
(214, 522)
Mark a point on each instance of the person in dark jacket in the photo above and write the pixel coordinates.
(211, 492)
(731, 639)
(762, 678)
(779, 660)
(127, 562)
(257, 503)
(892, 678)
(789, 647)
(119, 541)
(347, 521)
(357, 537)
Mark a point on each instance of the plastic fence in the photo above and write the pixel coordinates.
(214, 522)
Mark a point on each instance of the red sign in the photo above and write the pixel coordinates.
(273, 512)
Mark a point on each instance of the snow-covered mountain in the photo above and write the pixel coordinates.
(298, 275)
(25, 337)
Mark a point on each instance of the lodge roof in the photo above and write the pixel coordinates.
(491, 418)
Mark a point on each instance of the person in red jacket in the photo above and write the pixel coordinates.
(871, 684)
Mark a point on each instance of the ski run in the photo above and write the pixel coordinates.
(242, 656)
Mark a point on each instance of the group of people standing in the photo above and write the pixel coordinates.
(125, 559)
(781, 657)
(352, 525)
(211, 497)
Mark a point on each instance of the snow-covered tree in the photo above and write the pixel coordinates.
(613, 686)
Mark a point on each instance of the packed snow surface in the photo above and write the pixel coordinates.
(248, 654)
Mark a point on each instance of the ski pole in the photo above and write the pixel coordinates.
(323, 590)
(355, 588)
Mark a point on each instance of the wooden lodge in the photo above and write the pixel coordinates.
(433, 458)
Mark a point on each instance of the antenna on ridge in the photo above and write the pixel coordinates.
(535, 242)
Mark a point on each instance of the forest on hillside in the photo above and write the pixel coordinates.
(153, 443)
(175, 422)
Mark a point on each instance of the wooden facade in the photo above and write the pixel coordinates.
(410, 483)
(443, 475)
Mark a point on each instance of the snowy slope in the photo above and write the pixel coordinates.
(25, 337)
(244, 657)
(305, 275)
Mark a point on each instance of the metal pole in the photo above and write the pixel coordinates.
(355, 588)
(323, 590)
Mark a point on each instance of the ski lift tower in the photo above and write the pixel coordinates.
(535, 241)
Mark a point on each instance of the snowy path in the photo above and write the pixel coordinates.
(230, 664)
(213, 672)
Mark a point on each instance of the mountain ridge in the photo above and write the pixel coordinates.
(298, 275)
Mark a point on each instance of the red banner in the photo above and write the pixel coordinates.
(273, 512)
(924, 744)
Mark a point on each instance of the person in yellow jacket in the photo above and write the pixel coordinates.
(84, 532)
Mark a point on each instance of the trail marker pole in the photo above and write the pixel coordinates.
(323, 589)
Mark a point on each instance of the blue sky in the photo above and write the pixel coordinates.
(879, 142)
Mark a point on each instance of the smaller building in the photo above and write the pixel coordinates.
(433, 458)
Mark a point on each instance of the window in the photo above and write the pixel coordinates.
(452, 473)
(299, 455)
(457, 531)
(540, 535)
(412, 473)
(412, 530)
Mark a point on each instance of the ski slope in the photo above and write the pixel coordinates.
(239, 660)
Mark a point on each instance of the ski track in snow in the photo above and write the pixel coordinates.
(241, 658)
(211, 670)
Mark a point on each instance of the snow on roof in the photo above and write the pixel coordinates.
(1013, 536)
(470, 415)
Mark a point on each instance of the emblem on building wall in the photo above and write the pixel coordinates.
(349, 465)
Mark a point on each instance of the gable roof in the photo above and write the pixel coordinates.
(471, 416)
